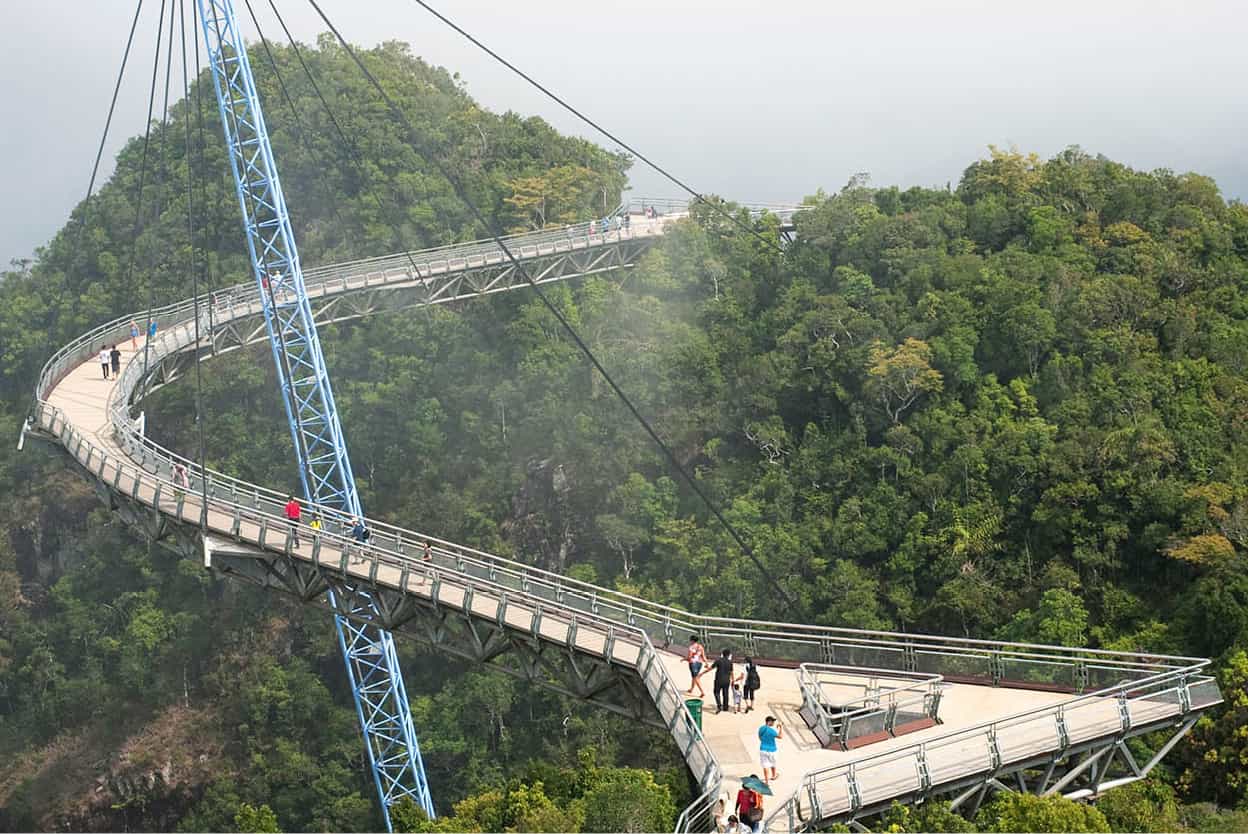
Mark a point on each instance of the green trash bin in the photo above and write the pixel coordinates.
(695, 709)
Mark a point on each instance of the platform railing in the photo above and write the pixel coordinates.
(983, 661)
(682, 205)
(429, 262)
(840, 790)
(881, 708)
(989, 662)
(267, 528)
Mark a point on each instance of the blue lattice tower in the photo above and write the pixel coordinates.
(324, 466)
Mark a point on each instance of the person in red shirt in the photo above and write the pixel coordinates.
(292, 515)
(747, 801)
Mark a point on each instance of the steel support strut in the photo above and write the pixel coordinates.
(324, 467)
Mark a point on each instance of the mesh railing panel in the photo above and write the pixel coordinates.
(1041, 672)
(949, 656)
(801, 651)
(894, 777)
(1091, 719)
(1027, 738)
(909, 713)
(832, 794)
(871, 657)
(858, 726)
(958, 757)
(1204, 693)
(1103, 677)
(1155, 706)
(955, 665)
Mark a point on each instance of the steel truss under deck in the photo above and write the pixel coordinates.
(1079, 772)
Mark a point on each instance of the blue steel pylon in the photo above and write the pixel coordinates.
(324, 467)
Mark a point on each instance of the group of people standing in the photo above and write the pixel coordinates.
(358, 530)
(110, 359)
(110, 355)
(742, 685)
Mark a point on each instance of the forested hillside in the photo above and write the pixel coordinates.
(1011, 409)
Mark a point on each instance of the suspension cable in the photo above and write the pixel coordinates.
(99, 153)
(190, 225)
(161, 176)
(496, 234)
(147, 132)
(353, 153)
(203, 176)
(300, 131)
(697, 196)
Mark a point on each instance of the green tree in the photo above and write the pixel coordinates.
(897, 377)
(1025, 812)
(931, 816)
(628, 800)
(1147, 805)
(251, 818)
(1215, 761)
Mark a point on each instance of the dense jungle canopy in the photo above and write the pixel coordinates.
(1009, 409)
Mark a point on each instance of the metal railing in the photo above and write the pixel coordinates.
(842, 789)
(483, 253)
(268, 528)
(881, 708)
(992, 662)
(989, 662)
(681, 206)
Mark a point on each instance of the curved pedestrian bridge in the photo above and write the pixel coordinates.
(1010, 717)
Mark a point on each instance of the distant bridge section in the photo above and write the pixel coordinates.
(957, 718)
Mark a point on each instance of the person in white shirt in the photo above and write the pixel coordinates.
(104, 360)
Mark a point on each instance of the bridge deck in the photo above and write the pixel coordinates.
(83, 396)
(1170, 691)
(734, 737)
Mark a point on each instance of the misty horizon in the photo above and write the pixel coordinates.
(737, 101)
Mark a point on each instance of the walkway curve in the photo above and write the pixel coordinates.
(599, 640)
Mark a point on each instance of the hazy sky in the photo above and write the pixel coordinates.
(754, 100)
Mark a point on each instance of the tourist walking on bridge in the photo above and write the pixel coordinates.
(114, 356)
(181, 481)
(103, 357)
(293, 512)
(752, 683)
(768, 734)
(723, 680)
(134, 336)
(749, 804)
(696, 658)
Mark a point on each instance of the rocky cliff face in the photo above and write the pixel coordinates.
(98, 780)
(541, 524)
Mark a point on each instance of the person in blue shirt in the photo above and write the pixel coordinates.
(767, 750)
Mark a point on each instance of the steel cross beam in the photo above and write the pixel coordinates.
(324, 466)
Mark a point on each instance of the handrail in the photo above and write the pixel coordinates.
(658, 680)
(991, 733)
(843, 721)
(468, 250)
(699, 811)
(666, 620)
(654, 623)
